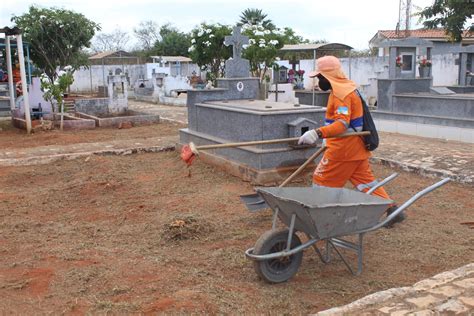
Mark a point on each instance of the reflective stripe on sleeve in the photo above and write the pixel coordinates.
(359, 121)
(343, 122)
(328, 122)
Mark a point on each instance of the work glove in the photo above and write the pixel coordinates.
(310, 137)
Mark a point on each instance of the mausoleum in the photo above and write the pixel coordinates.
(409, 104)
(231, 113)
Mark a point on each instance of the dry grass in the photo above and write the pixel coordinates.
(189, 227)
(136, 234)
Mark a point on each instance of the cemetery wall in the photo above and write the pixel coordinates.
(85, 78)
(366, 70)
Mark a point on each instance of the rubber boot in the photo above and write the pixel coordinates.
(397, 219)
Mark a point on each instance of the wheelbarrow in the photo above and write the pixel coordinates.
(322, 214)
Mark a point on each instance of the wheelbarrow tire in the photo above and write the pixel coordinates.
(280, 269)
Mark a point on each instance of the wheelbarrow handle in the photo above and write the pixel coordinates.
(412, 200)
(383, 182)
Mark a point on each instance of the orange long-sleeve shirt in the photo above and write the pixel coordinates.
(16, 75)
(341, 116)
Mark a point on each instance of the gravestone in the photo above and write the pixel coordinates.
(285, 93)
(118, 93)
(237, 67)
(231, 113)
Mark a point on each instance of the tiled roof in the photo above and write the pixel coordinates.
(116, 53)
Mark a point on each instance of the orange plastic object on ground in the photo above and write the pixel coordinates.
(187, 155)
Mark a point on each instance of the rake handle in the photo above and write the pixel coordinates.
(303, 166)
(272, 141)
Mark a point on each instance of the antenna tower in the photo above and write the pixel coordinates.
(404, 18)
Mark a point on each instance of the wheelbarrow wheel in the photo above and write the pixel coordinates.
(279, 269)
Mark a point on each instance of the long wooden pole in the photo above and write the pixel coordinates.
(272, 141)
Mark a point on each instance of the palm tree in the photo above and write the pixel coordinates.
(255, 16)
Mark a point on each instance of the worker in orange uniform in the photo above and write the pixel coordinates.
(346, 159)
(16, 74)
(17, 80)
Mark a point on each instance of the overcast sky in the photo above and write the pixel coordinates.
(345, 21)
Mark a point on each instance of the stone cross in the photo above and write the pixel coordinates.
(236, 40)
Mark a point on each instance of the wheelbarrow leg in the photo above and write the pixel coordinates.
(290, 232)
(341, 256)
(358, 248)
(275, 218)
(360, 254)
(323, 258)
(328, 251)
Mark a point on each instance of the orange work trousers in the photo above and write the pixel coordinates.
(335, 174)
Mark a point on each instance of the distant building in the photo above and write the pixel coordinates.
(172, 65)
(441, 43)
(117, 57)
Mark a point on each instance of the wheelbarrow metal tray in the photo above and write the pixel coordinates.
(324, 212)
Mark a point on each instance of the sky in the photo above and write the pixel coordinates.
(351, 22)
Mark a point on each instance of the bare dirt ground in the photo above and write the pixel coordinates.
(142, 234)
(11, 137)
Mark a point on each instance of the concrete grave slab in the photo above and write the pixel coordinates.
(441, 90)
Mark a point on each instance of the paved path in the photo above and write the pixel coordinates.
(448, 293)
(48, 154)
(427, 156)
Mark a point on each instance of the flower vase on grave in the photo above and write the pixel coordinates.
(299, 86)
(398, 72)
(424, 72)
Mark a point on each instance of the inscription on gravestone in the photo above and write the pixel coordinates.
(237, 67)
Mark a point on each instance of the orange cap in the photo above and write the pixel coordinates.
(325, 64)
(330, 67)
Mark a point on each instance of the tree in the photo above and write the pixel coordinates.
(172, 43)
(264, 45)
(452, 15)
(291, 38)
(255, 17)
(262, 50)
(207, 47)
(147, 33)
(57, 37)
(115, 40)
(54, 91)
